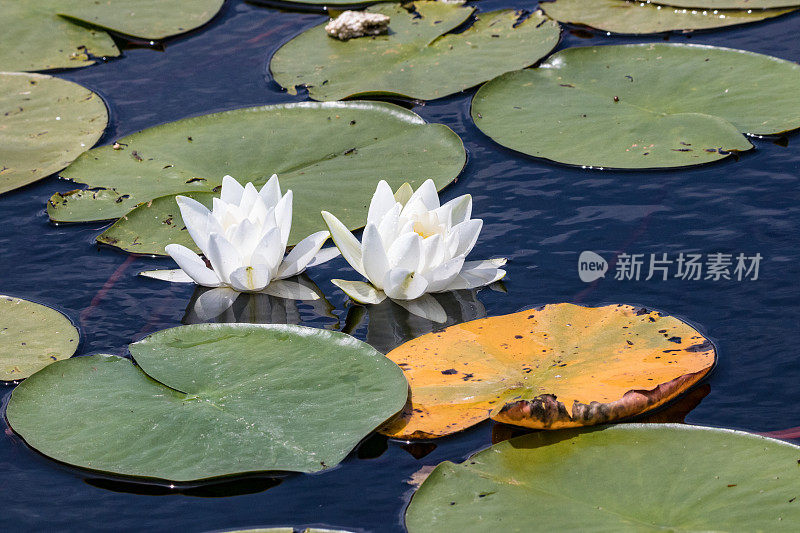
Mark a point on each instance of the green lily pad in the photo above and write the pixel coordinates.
(623, 16)
(47, 123)
(634, 477)
(46, 34)
(211, 400)
(32, 336)
(641, 105)
(730, 4)
(331, 155)
(418, 58)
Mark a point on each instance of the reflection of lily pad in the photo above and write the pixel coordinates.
(640, 106)
(330, 154)
(623, 478)
(46, 34)
(31, 337)
(559, 366)
(47, 123)
(210, 400)
(623, 16)
(416, 59)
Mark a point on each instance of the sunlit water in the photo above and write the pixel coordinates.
(538, 214)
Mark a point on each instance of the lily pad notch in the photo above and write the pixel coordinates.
(554, 367)
(211, 400)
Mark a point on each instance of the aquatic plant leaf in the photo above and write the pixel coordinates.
(556, 367)
(623, 16)
(47, 123)
(33, 336)
(330, 155)
(649, 105)
(418, 58)
(623, 478)
(210, 400)
(729, 4)
(47, 34)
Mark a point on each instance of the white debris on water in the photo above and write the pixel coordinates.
(352, 24)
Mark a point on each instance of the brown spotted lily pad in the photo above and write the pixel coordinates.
(558, 366)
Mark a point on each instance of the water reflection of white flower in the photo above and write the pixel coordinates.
(244, 238)
(388, 325)
(413, 246)
(224, 305)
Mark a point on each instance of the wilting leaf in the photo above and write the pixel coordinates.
(47, 123)
(211, 400)
(623, 16)
(46, 34)
(641, 105)
(331, 155)
(559, 366)
(622, 478)
(418, 58)
(32, 337)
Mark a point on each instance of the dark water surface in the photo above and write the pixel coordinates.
(538, 214)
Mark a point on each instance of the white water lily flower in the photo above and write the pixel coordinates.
(412, 246)
(244, 238)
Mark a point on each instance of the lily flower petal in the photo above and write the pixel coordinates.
(403, 284)
(477, 274)
(271, 191)
(269, 250)
(404, 253)
(232, 191)
(194, 267)
(376, 264)
(426, 194)
(197, 219)
(467, 235)
(291, 290)
(324, 255)
(224, 258)
(283, 216)
(360, 292)
(345, 241)
(382, 201)
(302, 255)
(456, 210)
(175, 276)
(250, 278)
(443, 276)
(403, 194)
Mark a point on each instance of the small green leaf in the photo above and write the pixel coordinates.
(32, 336)
(47, 123)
